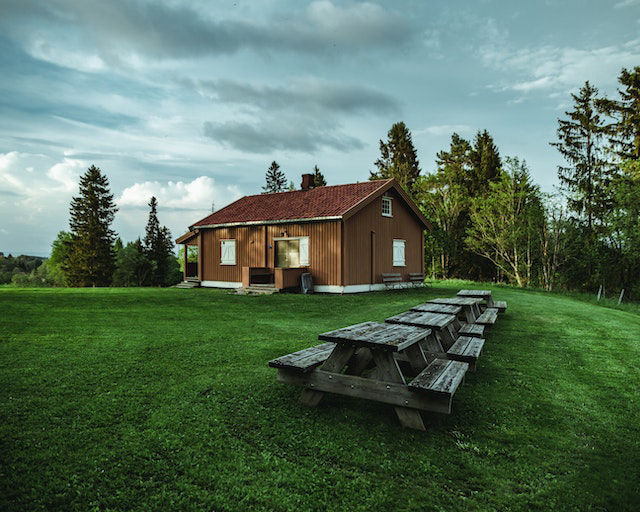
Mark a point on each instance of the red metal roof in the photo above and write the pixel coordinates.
(320, 202)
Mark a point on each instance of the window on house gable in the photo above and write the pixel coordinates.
(398, 253)
(227, 252)
(386, 207)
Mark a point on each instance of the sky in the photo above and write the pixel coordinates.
(191, 100)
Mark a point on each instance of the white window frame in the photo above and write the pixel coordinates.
(387, 208)
(228, 249)
(303, 247)
(399, 253)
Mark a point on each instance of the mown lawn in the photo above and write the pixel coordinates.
(129, 399)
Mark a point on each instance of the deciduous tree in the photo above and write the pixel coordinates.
(503, 223)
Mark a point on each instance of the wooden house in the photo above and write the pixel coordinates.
(346, 236)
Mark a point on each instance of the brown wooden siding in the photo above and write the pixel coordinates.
(253, 251)
(369, 226)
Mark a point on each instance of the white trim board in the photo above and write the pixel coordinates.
(221, 284)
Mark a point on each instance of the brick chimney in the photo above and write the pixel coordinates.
(307, 182)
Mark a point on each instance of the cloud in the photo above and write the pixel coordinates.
(92, 36)
(310, 95)
(280, 133)
(550, 69)
(626, 3)
(196, 195)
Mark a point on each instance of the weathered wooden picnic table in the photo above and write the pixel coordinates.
(363, 361)
(461, 342)
(486, 296)
(470, 306)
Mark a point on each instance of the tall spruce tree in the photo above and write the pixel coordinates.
(624, 132)
(158, 245)
(580, 143)
(584, 179)
(486, 162)
(90, 259)
(398, 158)
(276, 181)
(318, 178)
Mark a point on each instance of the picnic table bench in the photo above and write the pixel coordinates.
(364, 363)
(449, 332)
(486, 296)
(488, 317)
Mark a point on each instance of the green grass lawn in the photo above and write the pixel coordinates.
(162, 399)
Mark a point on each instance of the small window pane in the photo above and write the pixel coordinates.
(386, 206)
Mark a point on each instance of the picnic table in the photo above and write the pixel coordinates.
(486, 296)
(461, 342)
(470, 306)
(362, 361)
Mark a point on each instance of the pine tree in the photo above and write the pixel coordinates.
(580, 143)
(318, 178)
(90, 257)
(486, 163)
(158, 245)
(398, 158)
(624, 132)
(585, 177)
(276, 180)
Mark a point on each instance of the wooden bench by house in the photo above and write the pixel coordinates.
(440, 380)
(416, 278)
(466, 349)
(304, 360)
(489, 317)
(389, 280)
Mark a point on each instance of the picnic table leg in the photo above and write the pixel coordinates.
(417, 359)
(335, 363)
(388, 370)
(470, 314)
(447, 337)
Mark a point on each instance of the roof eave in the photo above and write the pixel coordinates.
(265, 222)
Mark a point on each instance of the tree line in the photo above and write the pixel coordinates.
(91, 253)
(492, 222)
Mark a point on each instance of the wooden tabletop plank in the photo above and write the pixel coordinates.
(422, 319)
(447, 309)
(390, 337)
(474, 293)
(456, 301)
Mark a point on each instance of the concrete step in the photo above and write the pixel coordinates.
(188, 284)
